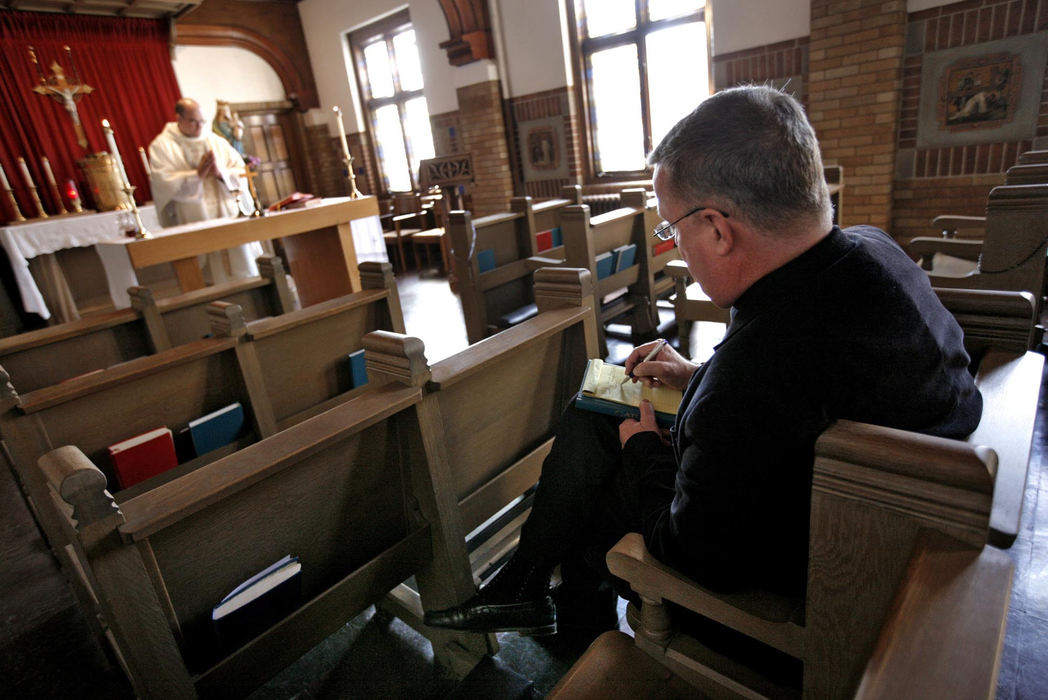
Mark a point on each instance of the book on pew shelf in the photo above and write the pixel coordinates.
(259, 602)
(602, 391)
(543, 241)
(558, 237)
(486, 260)
(184, 449)
(358, 368)
(626, 255)
(142, 456)
(216, 429)
(662, 247)
(605, 265)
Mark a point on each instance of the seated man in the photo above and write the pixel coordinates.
(826, 324)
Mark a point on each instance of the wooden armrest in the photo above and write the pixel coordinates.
(677, 269)
(213, 293)
(944, 635)
(168, 503)
(1010, 386)
(492, 219)
(53, 334)
(963, 226)
(759, 614)
(924, 247)
(550, 204)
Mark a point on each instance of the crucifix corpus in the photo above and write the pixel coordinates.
(57, 86)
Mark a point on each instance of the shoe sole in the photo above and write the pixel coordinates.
(541, 631)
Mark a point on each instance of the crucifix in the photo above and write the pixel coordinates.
(57, 86)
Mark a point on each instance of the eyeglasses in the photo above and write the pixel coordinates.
(667, 230)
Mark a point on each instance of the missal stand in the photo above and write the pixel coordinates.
(449, 173)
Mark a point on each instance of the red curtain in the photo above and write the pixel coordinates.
(126, 61)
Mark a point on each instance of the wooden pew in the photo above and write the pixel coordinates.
(47, 356)
(627, 291)
(348, 492)
(300, 359)
(499, 297)
(496, 404)
(903, 528)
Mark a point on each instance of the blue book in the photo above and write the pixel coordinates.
(605, 265)
(627, 255)
(603, 391)
(217, 429)
(486, 260)
(358, 368)
(558, 237)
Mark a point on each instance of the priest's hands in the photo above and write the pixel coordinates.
(668, 367)
(630, 427)
(208, 166)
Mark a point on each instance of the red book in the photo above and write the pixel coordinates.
(662, 247)
(138, 458)
(544, 240)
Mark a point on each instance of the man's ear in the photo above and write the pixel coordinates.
(725, 233)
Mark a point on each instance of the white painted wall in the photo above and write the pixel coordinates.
(744, 24)
(534, 55)
(210, 73)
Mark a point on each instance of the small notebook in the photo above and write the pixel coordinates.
(602, 391)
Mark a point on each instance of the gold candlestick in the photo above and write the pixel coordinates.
(140, 228)
(354, 193)
(14, 205)
(40, 213)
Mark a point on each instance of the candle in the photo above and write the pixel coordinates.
(3, 179)
(47, 171)
(115, 152)
(25, 172)
(145, 160)
(342, 133)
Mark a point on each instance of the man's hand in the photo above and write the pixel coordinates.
(630, 427)
(208, 167)
(668, 367)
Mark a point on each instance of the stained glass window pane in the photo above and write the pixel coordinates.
(420, 136)
(408, 66)
(380, 74)
(391, 148)
(609, 16)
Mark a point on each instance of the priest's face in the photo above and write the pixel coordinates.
(191, 122)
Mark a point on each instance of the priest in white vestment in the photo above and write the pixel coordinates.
(195, 173)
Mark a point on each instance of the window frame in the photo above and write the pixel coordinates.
(583, 46)
(383, 30)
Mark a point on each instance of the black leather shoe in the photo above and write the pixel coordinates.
(530, 618)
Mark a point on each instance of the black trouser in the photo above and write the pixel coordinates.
(584, 503)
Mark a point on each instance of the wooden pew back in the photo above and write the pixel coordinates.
(343, 491)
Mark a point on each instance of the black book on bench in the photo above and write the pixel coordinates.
(258, 603)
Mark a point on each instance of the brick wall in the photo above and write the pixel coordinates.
(542, 105)
(324, 161)
(855, 74)
(956, 180)
(482, 132)
(784, 65)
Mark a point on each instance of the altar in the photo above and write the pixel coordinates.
(323, 244)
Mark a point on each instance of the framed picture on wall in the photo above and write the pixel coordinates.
(543, 149)
(983, 93)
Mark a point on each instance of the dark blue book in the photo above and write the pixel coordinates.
(217, 429)
(486, 260)
(558, 237)
(627, 256)
(605, 265)
(358, 368)
(258, 603)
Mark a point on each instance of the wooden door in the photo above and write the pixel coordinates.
(268, 136)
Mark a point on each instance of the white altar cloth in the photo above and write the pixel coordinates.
(28, 240)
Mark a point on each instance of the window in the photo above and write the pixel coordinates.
(646, 64)
(390, 77)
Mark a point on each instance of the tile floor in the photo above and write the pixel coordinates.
(46, 650)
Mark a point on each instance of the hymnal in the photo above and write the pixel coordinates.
(486, 260)
(626, 256)
(138, 458)
(605, 264)
(258, 602)
(543, 241)
(358, 368)
(662, 247)
(217, 429)
(602, 391)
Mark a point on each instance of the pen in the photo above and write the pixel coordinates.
(650, 356)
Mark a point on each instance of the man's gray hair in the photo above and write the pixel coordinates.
(753, 149)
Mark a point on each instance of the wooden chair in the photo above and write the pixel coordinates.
(409, 217)
(50, 355)
(348, 492)
(902, 528)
